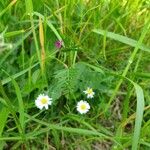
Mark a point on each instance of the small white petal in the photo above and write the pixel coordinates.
(49, 102)
(46, 106)
(85, 92)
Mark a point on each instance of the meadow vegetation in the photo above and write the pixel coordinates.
(60, 48)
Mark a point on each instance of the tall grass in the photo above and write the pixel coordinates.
(105, 45)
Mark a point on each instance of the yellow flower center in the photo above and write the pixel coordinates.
(89, 91)
(43, 100)
(83, 106)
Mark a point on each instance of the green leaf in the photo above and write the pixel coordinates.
(35, 76)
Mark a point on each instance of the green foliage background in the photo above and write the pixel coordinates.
(105, 46)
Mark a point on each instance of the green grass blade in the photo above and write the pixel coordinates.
(94, 67)
(8, 7)
(18, 43)
(20, 101)
(7, 80)
(139, 116)
(3, 118)
(131, 59)
(145, 143)
(13, 33)
(122, 39)
(50, 25)
(29, 6)
(143, 74)
(11, 108)
(68, 129)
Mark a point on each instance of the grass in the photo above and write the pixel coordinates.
(105, 46)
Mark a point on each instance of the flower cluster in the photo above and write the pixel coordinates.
(43, 101)
(83, 106)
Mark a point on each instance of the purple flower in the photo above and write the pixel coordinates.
(58, 44)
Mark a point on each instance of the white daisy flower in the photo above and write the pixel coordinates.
(43, 101)
(83, 107)
(89, 92)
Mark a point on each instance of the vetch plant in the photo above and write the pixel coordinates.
(80, 71)
(43, 101)
(58, 44)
